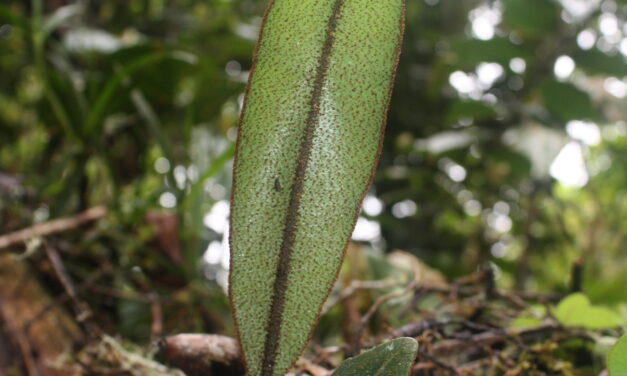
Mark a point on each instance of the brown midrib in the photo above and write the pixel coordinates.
(273, 327)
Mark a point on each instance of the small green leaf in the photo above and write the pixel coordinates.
(393, 358)
(617, 359)
(525, 322)
(576, 310)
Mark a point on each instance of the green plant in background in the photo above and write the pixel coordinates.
(617, 359)
(310, 135)
(576, 310)
(393, 358)
(91, 124)
(96, 94)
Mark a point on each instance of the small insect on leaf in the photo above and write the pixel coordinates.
(312, 126)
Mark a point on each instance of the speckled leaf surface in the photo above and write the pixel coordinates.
(308, 143)
(393, 358)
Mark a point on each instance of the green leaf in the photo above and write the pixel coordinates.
(567, 102)
(576, 310)
(617, 358)
(525, 322)
(107, 93)
(308, 143)
(471, 52)
(469, 109)
(597, 62)
(13, 18)
(393, 358)
(531, 317)
(531, 17)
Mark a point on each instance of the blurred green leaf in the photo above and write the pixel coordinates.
(515, 162)
(576, 310)
(216, 166)
(393, 358)
(13, 18)
(567, 102)
(469, 109)
(134, 319)
(107, 93)
(531, 17)
(617, 359)
(471, 52)
(525, 322)
(533, 316)
(597, 62)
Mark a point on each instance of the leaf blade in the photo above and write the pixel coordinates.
(617, 358)
(576, 310)
(393, 358)
(309, 139)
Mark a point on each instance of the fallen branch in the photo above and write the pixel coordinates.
(489, 338)
(312, 368)
(202, 354)
(52, 227)
(39, 345)
(437, 362)
(211, 354)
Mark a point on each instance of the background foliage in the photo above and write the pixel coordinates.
(506, 144)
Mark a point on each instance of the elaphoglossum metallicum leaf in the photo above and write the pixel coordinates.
(309, 139)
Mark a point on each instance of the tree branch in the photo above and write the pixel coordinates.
(52, 227)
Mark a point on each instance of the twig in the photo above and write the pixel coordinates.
(207, 347)
(576, 275)
(437, 362)
(489, 338)
(156, 326)
(52, 227)
(375, 306)
(418, 368)
(474, 365)
(489, 281)
(313, 369)
(22, 342)
(353, 288)
(62, 299)
(81, 309)
(130, 360)
(416, 329)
